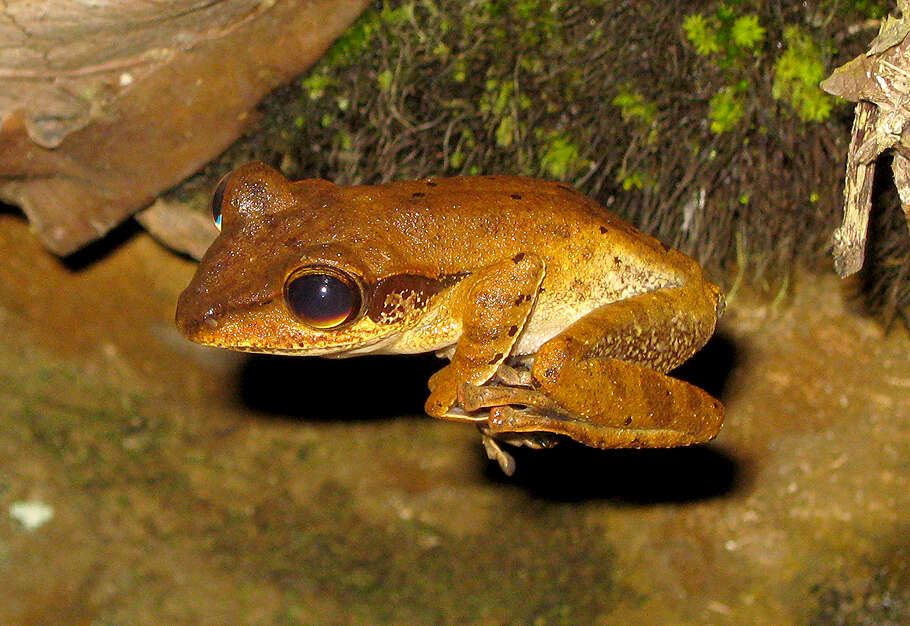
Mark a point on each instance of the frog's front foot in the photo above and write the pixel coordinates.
(507, 405)
(495, 452)
(492, 443)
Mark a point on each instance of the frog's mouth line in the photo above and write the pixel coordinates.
(340, 351)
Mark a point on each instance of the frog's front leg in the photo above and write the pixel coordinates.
(601, 381)
(496, 306)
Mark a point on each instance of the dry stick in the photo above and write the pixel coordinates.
(850, 238)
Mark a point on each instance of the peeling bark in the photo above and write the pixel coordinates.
(879, 81)
(105, 105)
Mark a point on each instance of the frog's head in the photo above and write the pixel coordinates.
(292, 272)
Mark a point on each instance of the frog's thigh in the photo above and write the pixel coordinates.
(605, 370)
(495, 310)
(659, 329)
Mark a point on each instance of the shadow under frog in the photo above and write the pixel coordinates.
(394, 386)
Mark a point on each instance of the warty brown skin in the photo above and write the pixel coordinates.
(503, 275)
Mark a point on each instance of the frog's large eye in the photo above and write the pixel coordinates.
(322, 297)
(217, 199)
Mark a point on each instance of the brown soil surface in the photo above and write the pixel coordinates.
(197, 487)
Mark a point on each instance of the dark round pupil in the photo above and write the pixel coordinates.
(321, 300)
(217, 199)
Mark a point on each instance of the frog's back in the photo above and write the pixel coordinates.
(456, 223)
(463, 224)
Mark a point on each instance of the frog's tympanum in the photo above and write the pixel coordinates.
(557, 317)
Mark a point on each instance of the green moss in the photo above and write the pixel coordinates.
(797, 73)
(459, 70)
(736, 42)
(560, 156)
(634, 107)
(345, 140)
(497, 96)
(725, 110)
(316, 84)
(384, 78)
(352, 43)
(356, 40)
(746, 32)
(505, 132)
(724, 32)
(442, 50)
(632, 180)
(702, 33)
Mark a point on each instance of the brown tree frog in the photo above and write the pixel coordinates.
(557, 317)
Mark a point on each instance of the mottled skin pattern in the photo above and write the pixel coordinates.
(558, 317)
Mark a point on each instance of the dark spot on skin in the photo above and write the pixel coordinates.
(617, 260)
(516, 196)
(549, 372)
(619, 388)
(563, 232)
(447, 280)
(603, 230)
(522, 298)
(496, 358)
(418, 194)
(628, 421)
(513, 330)
(518, 257)
(384, 307)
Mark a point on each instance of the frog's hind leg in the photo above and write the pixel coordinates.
(601, 381)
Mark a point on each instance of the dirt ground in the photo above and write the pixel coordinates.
(189, 486)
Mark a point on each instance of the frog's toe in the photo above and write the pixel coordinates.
(474, 397)
(513, 376)
(503, 415)
(441, 401)
(495, 453)
(493, 440)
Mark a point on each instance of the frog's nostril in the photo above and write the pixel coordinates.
(210, 320)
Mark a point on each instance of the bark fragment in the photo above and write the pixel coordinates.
(879, 82)
(105, 105)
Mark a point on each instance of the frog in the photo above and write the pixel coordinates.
(557, 318)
